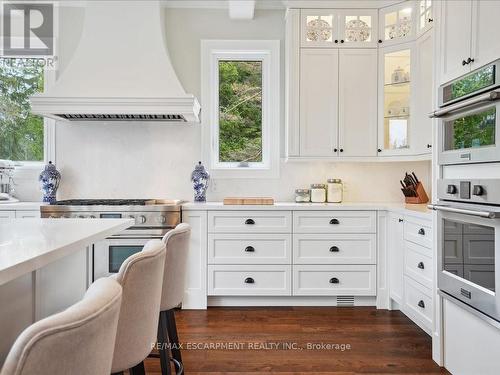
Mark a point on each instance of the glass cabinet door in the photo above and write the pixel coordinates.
(319, 28)
(424, 15)
(396, 84)
(358, 28)
(397, 23)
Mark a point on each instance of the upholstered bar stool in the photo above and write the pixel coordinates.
(177, 243)
(141, 277)
(78, 341)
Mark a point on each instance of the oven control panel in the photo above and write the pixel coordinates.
(473, 190)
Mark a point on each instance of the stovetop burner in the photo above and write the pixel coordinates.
(104, 202)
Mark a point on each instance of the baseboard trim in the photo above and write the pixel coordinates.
(284, 301)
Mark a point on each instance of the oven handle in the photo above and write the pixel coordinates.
(486, 97)
(483, 214)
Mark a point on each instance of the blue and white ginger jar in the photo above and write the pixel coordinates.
(200, 179)
(49, 182)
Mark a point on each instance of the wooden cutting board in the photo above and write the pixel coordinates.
(248, 201)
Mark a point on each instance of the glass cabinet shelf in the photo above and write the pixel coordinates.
(397, 83)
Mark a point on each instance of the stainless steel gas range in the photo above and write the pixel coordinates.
(153, 219)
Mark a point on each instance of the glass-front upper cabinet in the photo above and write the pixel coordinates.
(358, 28)
(339, 28)
(397, 23)
(319, 28)
(425, 19)
(396, 90)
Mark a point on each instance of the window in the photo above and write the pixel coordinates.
(22, 134)
(241, 107)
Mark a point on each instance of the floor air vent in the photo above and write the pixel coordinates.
(345, 301)
(111, 117)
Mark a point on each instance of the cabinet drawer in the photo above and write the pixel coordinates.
(324, 280)
(335, 249)
(418, 264)
(250, 222)
(249, 248)
(335, 222)
(418, 303)
(418, 231)
(263, 280)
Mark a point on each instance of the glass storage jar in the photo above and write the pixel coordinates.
(334, 193)
(302, 195)
(318, 193)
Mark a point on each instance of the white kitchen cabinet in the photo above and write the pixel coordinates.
(27, 214)
(397, 23)
(421, 132)
(358, 28)
(396, 93)
(455, 38)
(357, 89)
(319, 28)
(319, 80)
(395, 247)
(484, 45)
(425, 17)
(7, 214)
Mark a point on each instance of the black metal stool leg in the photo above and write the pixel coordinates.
(138, 369)
(163, 342)
(173, 338)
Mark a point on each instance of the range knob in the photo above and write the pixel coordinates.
(451, 189)
(161, 219)
(477, 190)
(81, 216)
(141, 219)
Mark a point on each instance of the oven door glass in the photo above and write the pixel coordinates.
(118, 254)
(469, 252)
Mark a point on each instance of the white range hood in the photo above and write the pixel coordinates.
(120, 71)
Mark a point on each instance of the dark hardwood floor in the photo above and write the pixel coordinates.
(381, 342)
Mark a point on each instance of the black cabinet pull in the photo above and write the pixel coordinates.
(341, 40)
(429, 145)
(421, 231)
(334, 221)
(421, 265)
(464, 62)
(249, 280)
(469, 60)
(380, 40)
(379, 150)
(334, 249)
(249, 222)
(249, 249)
(341, 150)
(421, 304)
(335, 150)
(430, 20)
(400, 220)
(334, 280)
(336, 41)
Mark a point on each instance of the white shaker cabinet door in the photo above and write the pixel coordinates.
(485, 44)
(7, 214)
(319, 102)
(455, 31)
(358, 102)
(396, 257)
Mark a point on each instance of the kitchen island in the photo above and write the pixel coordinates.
(44, 268)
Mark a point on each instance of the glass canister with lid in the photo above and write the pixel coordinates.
(335, 188)
(302, 195)
(318, 193)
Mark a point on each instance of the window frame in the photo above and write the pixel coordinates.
(49, 134)
(268, 52)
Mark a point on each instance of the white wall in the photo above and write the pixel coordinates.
(152, 160)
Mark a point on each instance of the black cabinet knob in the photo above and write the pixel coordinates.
(429, 145)
(249, 280)
(334, 280)
(421, 265)
(421, 231)
(464, 62)
(430, 20)
(334, 249)
(342, 41)
(335, 150)
(341, 150)
(421, 304)
(380, 40)
(470, 60)
(249, 249)
(400, 220)
(379, 150)
(334, 221)
(249, 222)
(336, 41)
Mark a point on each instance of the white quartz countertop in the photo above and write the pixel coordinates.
(21, 206)
(417, 209)
(29, 244)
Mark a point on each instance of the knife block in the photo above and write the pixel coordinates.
(421, 196)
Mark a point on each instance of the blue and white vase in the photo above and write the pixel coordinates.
(200, 179)
(49, 182)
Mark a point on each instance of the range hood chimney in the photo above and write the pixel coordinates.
(121, 70)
